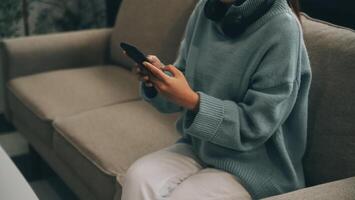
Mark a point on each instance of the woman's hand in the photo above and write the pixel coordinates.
(143, 77)
(175, 88)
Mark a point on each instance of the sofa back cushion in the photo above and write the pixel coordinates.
(154, 26)
(331, 144)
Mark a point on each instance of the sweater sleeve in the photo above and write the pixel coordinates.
(150, 94)
(270, 98)
(246, 125)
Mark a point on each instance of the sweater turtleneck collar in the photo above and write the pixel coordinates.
(245, 7)
(249, 6)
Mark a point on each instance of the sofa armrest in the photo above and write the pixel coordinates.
(341, 190)
(30, 55)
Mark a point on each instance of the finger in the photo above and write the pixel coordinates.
(156, 72)
(175, 71)
(134, 69)
(156, 82)
(148, 84)
(155, 61)
(145, 78)
(142, 77)
(138, 72)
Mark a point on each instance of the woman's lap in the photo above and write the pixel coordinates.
(176, 173)
(210, 184)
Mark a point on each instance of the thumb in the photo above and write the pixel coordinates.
(175, 71)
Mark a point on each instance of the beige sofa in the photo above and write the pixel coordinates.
(75, 99)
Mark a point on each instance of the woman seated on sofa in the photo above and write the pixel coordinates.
(241, 80)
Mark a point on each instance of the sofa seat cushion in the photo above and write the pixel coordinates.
(111, 139)
(40, 98)
(66, 92)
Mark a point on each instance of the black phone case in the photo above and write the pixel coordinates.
(135, 55)
(139, 58)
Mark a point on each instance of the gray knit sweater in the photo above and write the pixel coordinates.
(252, 116)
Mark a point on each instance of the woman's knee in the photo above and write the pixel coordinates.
(158, 166)
(141, 170)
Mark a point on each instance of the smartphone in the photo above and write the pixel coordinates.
(137, 56)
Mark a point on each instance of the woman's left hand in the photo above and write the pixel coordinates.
(175, 88)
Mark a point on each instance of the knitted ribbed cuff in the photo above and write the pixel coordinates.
(208, 119)
(147, 93)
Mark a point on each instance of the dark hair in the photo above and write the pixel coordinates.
(295, 5)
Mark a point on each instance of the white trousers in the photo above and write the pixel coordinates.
(175, 173)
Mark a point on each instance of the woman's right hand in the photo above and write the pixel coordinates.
(141, 76)
(146, 78)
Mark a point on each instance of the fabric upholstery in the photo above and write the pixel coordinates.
(101, 184)
(66, 92)
(41, 130)
(331, 144)
(38, 99)
(30, 55)
(339, 190)
(113, 137)
(58, 165)
(154, 26)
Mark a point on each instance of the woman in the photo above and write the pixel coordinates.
(242, 80)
